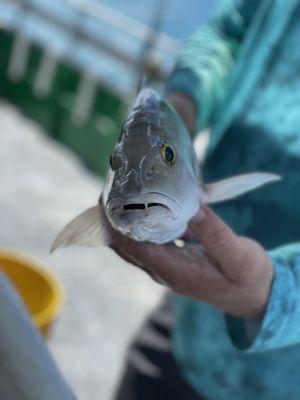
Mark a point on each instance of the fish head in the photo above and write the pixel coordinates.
(152, 186)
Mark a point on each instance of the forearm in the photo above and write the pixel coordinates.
(204, 66)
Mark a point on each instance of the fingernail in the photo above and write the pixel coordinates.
(199, 217)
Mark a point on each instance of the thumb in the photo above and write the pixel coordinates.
(217, 238)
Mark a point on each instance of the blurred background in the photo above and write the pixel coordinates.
(69, 69)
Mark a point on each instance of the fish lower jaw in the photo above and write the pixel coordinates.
(153, 234)
(168, 236)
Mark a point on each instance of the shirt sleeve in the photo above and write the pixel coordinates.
(280, 326)
(205, 63)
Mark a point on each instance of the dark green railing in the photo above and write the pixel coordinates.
(93, 138)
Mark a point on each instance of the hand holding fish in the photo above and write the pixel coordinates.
(153, 186)
(152, 191)
(229, 272)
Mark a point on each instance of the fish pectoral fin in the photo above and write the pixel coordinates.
(87, 229)
(233, 187)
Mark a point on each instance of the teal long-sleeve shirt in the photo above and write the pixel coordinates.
(242, 70)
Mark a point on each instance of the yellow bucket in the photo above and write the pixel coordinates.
(38, 287)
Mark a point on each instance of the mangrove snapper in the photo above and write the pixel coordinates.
(153, 185)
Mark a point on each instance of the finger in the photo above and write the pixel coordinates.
(178, 268)
(146, 255)
(146, 258)
(167, 264)
(134, 257)
(219, 241)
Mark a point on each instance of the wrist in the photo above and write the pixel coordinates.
(263, 297)
(258, 302)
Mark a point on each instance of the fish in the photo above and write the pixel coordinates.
(153, 186)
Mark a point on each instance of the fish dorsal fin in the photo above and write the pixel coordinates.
(233, 187)
(142, 83)
(87, 229)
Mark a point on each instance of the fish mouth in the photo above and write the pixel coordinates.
(144, 202)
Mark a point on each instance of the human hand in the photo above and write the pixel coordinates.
(230, 272)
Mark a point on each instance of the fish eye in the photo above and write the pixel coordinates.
(115, 161)
(168, 154)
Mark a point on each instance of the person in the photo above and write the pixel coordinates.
(232, 331)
